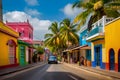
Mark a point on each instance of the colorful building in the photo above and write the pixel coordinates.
(85, 49)
(112, 45)
(26, 34)
(97, 38)
(8, 46)
(80, 52)
(22, 52)
(37, 44)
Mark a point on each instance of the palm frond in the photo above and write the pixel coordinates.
(112, 13)
(48, 35)
(114, 5)
(77, 4)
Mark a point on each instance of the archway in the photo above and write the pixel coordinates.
(111, 59)
(119, 60)
(12, 51)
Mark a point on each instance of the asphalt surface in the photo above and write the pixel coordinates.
(54, 72)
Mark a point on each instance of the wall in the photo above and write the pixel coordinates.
(9, 34)
(24, 28)
(4, 48)
(82, 38)
(112, 40)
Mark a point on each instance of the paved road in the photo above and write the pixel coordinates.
(55, 72)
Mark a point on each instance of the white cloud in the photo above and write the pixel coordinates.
(69, 11)
(38, 25)
(32, 2)
(32, 12)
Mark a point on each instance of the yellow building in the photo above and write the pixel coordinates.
(8, 46)
(97, 38)
(112, 44)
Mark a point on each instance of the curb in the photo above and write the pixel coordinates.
(17, 70)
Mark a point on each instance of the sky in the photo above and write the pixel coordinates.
(40, 13)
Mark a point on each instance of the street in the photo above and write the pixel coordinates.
(55, 72)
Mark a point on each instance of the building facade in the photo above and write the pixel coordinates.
(37, 44)
(22, 52)
(112, 45)
(85, 47)
(25, 31)
(8, 46)
(97, 38)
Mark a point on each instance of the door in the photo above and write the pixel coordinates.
(119, 61)
(22, 55)
(111, 59)
(98, 55)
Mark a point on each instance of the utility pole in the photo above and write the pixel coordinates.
(1, 16)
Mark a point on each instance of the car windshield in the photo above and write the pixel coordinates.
(52, 58)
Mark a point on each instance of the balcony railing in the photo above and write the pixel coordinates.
(95, 31)
(98, 27)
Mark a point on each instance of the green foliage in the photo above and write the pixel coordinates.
(60, 35)
(40, 50)
(96, 8)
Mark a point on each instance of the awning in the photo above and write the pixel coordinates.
(86, 47)
(78, 48)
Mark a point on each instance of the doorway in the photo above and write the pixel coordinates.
(111, 59)
(119, 60)
(98, 55)
(22, 55)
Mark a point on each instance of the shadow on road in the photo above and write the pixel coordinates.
(61, 76)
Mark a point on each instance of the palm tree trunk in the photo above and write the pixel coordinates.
(1, 19)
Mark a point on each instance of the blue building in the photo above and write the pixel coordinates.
(85, 49)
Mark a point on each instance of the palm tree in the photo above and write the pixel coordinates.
(69, 32)
(95, 8)
(61, 36)
(53, 39)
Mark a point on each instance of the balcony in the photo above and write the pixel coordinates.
(97, 31)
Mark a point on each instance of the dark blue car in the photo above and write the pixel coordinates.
(52, 59)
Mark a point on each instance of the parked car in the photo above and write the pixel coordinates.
(52, 59)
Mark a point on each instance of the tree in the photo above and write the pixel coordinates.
(53, 39)
(95, 8)
(40, 50)
(69, 32)
(61, 35)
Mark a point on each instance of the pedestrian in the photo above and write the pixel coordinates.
(81, 60)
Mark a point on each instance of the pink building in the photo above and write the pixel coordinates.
(26, 34)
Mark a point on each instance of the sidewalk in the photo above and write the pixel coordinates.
(18, 68)
(96, 70)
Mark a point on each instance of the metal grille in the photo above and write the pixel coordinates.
(12, 54)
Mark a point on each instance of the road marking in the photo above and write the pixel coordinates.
(73, 77)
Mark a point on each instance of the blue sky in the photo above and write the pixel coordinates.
(41, 13)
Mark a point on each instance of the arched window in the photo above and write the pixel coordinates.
(12, 51)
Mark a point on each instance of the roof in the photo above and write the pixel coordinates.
(7, 30)
(113, 20)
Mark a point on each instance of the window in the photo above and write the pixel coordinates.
(11, 54)
(11, 51)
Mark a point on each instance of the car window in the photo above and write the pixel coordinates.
(52, 58)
